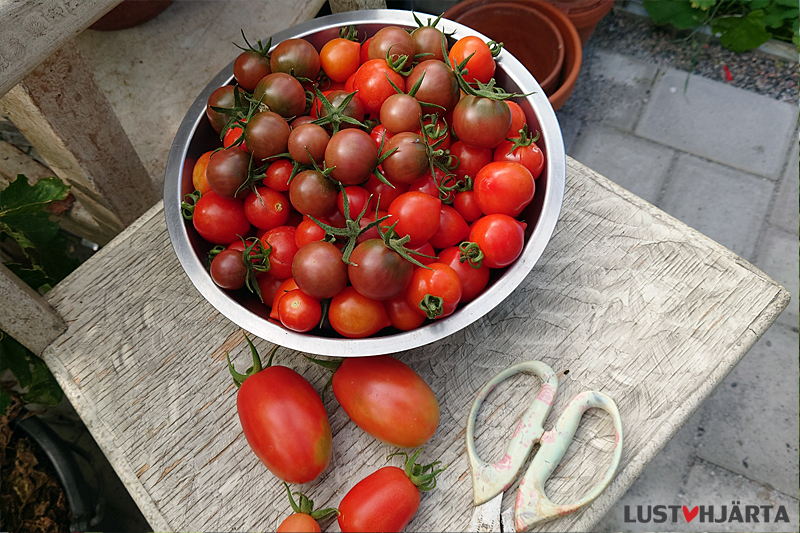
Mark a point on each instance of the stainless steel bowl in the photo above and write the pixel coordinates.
(195, 136)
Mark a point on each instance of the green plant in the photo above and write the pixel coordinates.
(40, 260)
(740, 25)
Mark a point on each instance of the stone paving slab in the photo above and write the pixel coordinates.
(750, 423)
(632, 80)
(719, 122)
(786, 211)
(633, 163)
(723, 203)
(778, 257)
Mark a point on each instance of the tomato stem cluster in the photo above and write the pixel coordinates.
(423, 476)
(306, 506)
(524, 139)
(257, 367)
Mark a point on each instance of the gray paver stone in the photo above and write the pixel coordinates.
(719, 122)
(786, 211)
(633, 163)
(723, 203)
(778, 257)
(751, 421)
(570, 126)
(632, 80)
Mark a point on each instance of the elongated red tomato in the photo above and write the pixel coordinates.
(387, 399)
(283, 420)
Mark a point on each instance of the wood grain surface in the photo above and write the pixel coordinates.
(627, 299)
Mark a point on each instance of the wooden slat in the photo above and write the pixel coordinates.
(340, 6)
(31, 31)
(63, 114)
(629, 300)
(25, 315)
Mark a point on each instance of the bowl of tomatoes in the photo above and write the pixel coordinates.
(339, 191)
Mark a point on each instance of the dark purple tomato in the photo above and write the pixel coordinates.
(354, 154)
(410, 160)
(401, 112)
(227, 171)
(378, 272)
(318, 270)
(249, 68)
(428, 40)
(297, 57)
(266, 134)
(222, 97)
(394, 41)
(439, 87)
(354, 109)
(311, 193)
(307, 143)
(228, 270)
(481, 122)
(282, 94)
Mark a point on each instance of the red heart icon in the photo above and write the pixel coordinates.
(689, 515)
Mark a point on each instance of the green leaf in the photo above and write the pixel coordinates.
(787, 3)
(44, 389)
(776, 15)
(15, 357)
(34, 277)
(760, 4)
(680, 14)
(740, 34)
(703, 4)
(20, 198)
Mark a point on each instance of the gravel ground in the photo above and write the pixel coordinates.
(754, 71)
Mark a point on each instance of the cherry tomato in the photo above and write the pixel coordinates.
(268, 286)
(473, 280)
(434, 291)
(377, 271)
(500, 238)
(277, 175)
(401, 112)
(418, 215)
(481, 122)
(518, 119)
(439, 87)
(284, 422)
(299, 523)
(481, 65)
(249, 68)
(373, 86)
(387, 399)
(267, 134)
(504, 187)
(354, 154)
(340, 58)
(199, 178)
(299, 312)
(392, 41)
(382, 194)
(227, 172)
(380, 134)
(308, 231)
(428, 43)
(283, 244)
(220, 220)
(470, 159)
(311, 193)
(402, 314)
(223, 98)
(232, 135)
(297, 57)
(425, 248)
(355, 316)
(282, 94)
(319, 271)
(354, 109)
(452, 229)
(306, 144)
(408, 161)
(530, 156)
(266, 209)
(228, 270)
(357, 198)
(467, 207)
(283, 289)
(364, 54)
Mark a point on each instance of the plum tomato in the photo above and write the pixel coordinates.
(408, 160)
(228, 270)
(353, 154)
(297, 57)
(340, 58)
(283, 420)
(473, 280)
(299, 312)
(284, 246)
(355, 316)
(417, 215)
(223, 98)
(452, 229)
(311, 193)
(434, 291)
(470, 159)
(266, 209)
(500, 238)
(402, 315)
(277, 175)
(266, 134)
(481, 122)
(248, 69)
(401, 112)
(387, 399)
(373, 86)
(392, 42)
(282, 94)
(307, 144)
(481, 65)
(428, 43)
(319, 271)
(440, 86)
(220, 220)
(504, 187)
(199, 178)
(227, 172)
(529, 156)
(378, 272)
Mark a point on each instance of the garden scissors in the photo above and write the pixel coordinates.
(489, 481)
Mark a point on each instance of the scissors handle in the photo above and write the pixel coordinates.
(489, 480)
(533, 507)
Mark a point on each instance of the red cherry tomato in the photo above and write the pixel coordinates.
(340, 58)
(308, 231)
(286, 285)
(199, 178)
(299, 312)
(530, 156)
(500, 238)
(277, 175)
(387, 399)
(401, 313)
(470, 160)
(473, 280)
(220, 220)
(417, 215)
(504, 187)
(299, 522)
(266, 209)
(518, 119)
(434, 291)
(481, 65)
(467, 207)
(356, 199)
(373, 86)
(452, 229)
(355, 316)
(284, 246)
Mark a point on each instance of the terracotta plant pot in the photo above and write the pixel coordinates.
(584, 14)
(525, 32)
(130, 13)
(573, 49)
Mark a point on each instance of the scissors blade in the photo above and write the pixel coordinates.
(486, 517)
(507, 520)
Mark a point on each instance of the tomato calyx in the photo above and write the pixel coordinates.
(398, 244)
(398, 63)
(422, 476)
(257, 367)
(485, 90)
(524, 139)
(260, 50)
(350, 33)
(470, 253)
(495, 48)
(306, 506)
(432, 305)
(335, 115)
(256, 259)
(330, 364)
(188, 204)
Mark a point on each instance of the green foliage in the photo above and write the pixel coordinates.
(24, 220)
(740, 25)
